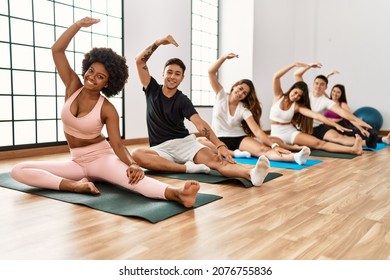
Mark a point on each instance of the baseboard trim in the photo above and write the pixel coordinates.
(20, 153)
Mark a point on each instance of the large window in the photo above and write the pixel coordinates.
(31, 93)
(204, 49)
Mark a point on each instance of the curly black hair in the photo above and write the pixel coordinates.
(115, 65)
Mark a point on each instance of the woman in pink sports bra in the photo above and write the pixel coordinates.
(292, 109)
(84, 114)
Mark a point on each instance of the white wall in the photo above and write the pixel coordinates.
(277, 39)
(236, 35)
(351, 36)
(145, 21)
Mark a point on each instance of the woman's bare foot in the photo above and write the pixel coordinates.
(82, 186)
(188, 193)
(185, 195)
(357, 147)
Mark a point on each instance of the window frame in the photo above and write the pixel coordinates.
(202, 55)
(33, 109)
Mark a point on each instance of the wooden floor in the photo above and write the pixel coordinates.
(338, 209)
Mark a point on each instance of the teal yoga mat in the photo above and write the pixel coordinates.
(320, 153)
(379, 146)
(214, 177)
(280, 164)
(114, 199)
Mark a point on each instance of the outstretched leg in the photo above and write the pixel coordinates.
(65, 176)
(231, 170)
(334, 136)
(315, 143)
(281, 143)
(280, 154)
(150, 159)
(299, 157)
(111, 169)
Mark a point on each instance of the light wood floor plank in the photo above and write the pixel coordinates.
(338, 209)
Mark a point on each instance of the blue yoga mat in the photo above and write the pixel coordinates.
(280, 164)
(379, 146)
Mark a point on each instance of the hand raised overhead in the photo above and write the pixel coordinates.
(87, 22)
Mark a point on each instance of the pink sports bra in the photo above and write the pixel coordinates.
(85, 127)
(332, 115)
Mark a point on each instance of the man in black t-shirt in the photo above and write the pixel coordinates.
(172, 147)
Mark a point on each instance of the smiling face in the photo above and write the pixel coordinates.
(335, 94)
(319, 86)
(96, 77)
(295, 94)
(240, 92)
(173, 76)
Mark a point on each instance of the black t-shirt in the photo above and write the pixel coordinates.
(165, 116)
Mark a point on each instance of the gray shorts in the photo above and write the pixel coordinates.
(179, 150)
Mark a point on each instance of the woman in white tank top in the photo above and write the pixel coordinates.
(236, 121)
(291, 110)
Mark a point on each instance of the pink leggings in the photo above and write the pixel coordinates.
(97, 162)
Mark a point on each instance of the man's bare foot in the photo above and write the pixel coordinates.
(187, 194)
(82, 186)
(357, 147)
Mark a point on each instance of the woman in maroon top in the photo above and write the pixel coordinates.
(338, 95)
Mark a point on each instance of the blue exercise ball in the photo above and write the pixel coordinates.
(371, 116)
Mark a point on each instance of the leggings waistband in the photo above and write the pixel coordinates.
(90, 149)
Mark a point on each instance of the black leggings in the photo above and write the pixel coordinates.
(355, 130)
(233, 143)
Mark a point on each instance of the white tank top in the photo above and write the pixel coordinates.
(279, 115)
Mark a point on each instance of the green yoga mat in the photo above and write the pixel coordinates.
(114, 199)
(214, 177)
(320, 153)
